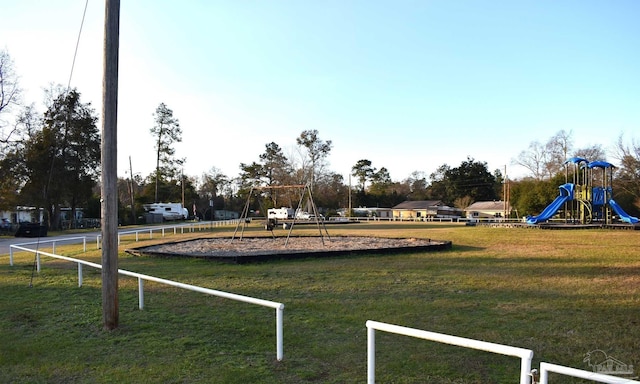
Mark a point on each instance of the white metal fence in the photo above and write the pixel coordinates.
(545, 368)
(52, 242)
(525, 355)
(279, 307)
(163, 230)
(146, 233)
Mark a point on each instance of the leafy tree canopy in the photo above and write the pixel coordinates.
(61, 161)
(471, 179)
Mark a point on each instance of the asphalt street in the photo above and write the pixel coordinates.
(45, 242)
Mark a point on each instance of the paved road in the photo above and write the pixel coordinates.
(45, 242)
(75, 238)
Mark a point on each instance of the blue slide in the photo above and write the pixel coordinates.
(549, 211)
(624, 216)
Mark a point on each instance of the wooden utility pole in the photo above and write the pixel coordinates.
(109, 199)
(504, 194)
(349, 211)
(133, 204)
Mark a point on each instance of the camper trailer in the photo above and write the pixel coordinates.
(280, 213)
(169, 211)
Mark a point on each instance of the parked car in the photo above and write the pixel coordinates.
(5, 225)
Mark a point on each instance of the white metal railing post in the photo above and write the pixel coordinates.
(525, 368)
(279, 331)
(162, 231)
(79, 274)
(84, 244)
(11, 255)
(38, 261)
(371, 355)
(98, 242)
(53, 247)
(151, 234)
(137, 236)
(140, 293)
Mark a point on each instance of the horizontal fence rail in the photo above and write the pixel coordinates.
(279, 307)
(53, 245)
(163, 230)
(525, 355)
(545, 368)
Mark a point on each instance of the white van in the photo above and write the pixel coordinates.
(302, 215)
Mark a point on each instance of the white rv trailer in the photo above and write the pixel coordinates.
(169, 211)
(280, 213)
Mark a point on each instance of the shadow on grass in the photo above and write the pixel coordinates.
(466, 248)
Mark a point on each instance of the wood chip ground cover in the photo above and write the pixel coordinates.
(280, 245)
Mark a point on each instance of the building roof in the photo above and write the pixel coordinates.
(418, 204)
(371, 209)
(487, 206)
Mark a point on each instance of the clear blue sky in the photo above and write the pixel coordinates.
(409, 85)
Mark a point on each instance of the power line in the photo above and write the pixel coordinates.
(73, 63)
(75, 54)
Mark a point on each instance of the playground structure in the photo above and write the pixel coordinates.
(586, 197)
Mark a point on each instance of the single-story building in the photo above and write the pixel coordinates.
(420, 209)
(488, 209)
(372, 212)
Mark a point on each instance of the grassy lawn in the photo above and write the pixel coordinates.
(559, 293)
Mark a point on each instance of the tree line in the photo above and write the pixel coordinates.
(52, 160)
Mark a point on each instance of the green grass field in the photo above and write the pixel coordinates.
(560, 293)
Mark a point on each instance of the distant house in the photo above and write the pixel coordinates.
(488, 209)
(421, 209)
(372, 212)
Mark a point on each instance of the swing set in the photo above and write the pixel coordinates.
(306, 196)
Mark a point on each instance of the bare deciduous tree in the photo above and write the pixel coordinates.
(544, 161)
(628, 174)
(317, 150)
(591, 153)
(10, 92)
(533, 159)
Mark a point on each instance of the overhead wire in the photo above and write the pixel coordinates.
(75, 53)
(73, 63)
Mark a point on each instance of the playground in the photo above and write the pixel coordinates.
(562, 298)
(586, 198)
